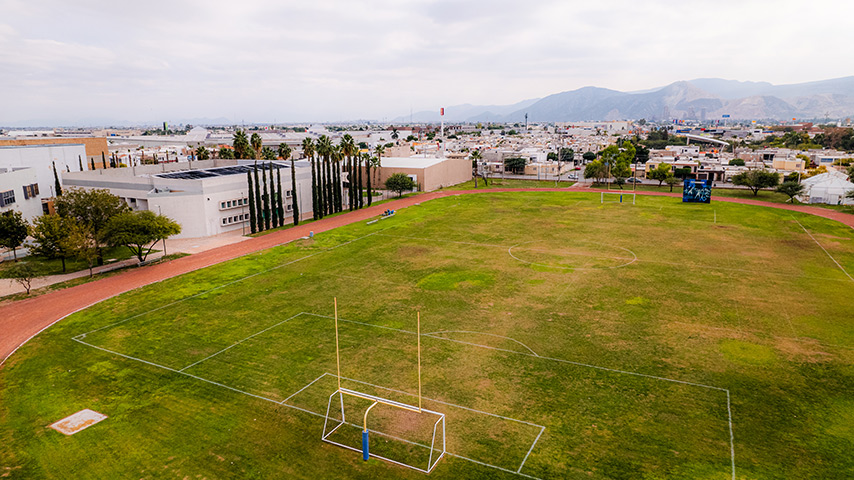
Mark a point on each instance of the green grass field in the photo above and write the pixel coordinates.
(561, 338)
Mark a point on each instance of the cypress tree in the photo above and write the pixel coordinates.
(265, 197)
(294, 193)
(350, 183)
(103, 160)
(368, 174)
(328, 173)
(92, 161)
(359, 183)
(259, 212)
(253, 222)
(313, 190)
(339, 188)
(56, 181)
(280, 207)
(336, 193)
(320, 161)
(80, 161)
(274, 216)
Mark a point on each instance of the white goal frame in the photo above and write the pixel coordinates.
(341, 391)
(431, 462)
(620, 193)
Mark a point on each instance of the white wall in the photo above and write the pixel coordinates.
(40, 157)
(15, 180)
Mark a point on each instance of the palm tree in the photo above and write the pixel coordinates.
(285, 150)
(241, 144)
(476, 157)
(308, 152)
(256, 144)
(379, 150)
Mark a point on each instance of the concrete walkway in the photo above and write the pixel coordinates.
(22, 320)
(179, 245)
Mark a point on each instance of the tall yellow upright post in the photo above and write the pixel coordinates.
(419, 362)
(337, 354)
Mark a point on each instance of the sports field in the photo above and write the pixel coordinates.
(560, 338)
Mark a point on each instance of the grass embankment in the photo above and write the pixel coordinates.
(520, 296)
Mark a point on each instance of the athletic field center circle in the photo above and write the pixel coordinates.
(580, 255)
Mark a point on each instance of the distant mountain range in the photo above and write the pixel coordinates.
(703, 98)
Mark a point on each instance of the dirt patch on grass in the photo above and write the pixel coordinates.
(802, 350)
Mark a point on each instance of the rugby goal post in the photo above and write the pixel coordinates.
(437, 451)
(616, 197)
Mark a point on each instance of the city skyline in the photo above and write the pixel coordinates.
(262, 62)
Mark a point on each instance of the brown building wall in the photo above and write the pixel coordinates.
(443, 174)
(95, 146)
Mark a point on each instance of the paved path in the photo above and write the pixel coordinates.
(20, 321)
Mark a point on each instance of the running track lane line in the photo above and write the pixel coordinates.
(22, 320)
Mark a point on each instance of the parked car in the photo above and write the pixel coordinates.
(633, 180)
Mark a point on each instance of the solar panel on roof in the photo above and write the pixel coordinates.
(216, 172)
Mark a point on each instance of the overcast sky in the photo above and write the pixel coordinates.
(75, 62)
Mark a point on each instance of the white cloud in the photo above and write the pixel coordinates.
(290, 61)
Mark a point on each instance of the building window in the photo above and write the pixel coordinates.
(7, 198)
(31, 191)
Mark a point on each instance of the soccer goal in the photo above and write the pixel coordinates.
(616, 197)
(418, 442)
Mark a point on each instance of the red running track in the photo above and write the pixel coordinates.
(22, 320)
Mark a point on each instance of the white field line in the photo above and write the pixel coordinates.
(731, 436)
(510, 419)
(482, 333)
(530, 450)
(83, 335)
(560, 360)
(825, 251)
(259, 397)
(303, 388)
(239, 342)
(637, 259)
(631, 260)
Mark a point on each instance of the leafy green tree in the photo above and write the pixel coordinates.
(24, 274)
(515, 164)
(756, 180)
(240, 143)
(13, 231)
(660, 172)
(51, 237)
(792, 189)
(671, 180)
(595, 170)
(641, 153)
(588, 156)
(253, 220)
(256, 144)
(85, 246)
(226, 153)
(92, 209)
(136, 230)
(792, 177)
(56, 185)
(737, 162)
(567, 155)
(682, 173)
(850, 172)
(399, 183)
(394, 134)
(294, 193)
